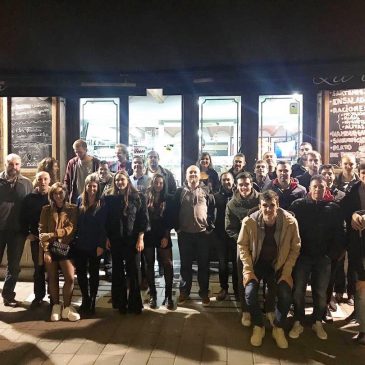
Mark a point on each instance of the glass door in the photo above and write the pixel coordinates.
(155, 124)
(220, 129)
(99, 126)
(280, 125)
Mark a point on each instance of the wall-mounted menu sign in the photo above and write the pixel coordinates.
(346, 124)
(31, 129)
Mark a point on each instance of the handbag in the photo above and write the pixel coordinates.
(60, 249)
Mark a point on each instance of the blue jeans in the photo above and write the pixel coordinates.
(319, 269)
(240, 287)
(281, 290)
(193, 245)
(14, 242)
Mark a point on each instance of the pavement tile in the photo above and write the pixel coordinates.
(160, 361)
(58, 359)
(67, 348)
(47, 346)
(239, 357)
(166, 347)
(90, 348)
(214, 353)
(109, 360)
(83, 359)
(112, 349)
(34, 357)
(136, 358)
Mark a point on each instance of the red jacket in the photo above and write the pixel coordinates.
(70, 177)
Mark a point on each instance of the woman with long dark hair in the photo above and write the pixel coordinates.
(159, 238)
(57, 227)
(208, 176)
(127, 221)
(50, 165)
(90, 242)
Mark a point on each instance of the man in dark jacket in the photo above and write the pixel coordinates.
(245, 198)
(261, 179)
(153, 167)
(287, 188)
(328, 173)
(313, 162)
(31, 212)
(13, 188)
(352, 202)
(122, 163)
(194, 220)
(238, 165)
(322, 232)
(299, 168)
(271, 160)
(357, 255)
(226, 248)
(78, 168)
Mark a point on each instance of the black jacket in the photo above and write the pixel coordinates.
(263, 185)
(297, 169)
(160, 225)
(305, 180)
(237, 209)
(357, 251)
(119, 225)
(321, 227)
(287, 196)
(221, 199)
(213, 180)
(31, 212)
(351, 203)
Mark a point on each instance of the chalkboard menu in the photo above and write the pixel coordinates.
(31, 129)
(346, 124)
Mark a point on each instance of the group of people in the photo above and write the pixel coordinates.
(283, 225)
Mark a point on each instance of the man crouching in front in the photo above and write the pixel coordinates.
(269, 245)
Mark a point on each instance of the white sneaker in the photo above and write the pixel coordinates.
(318, 329)
(278, 335)
(246, 319)
(270, 316)
(258, 334)
(56, 313)
(296, 330)
(70, 313)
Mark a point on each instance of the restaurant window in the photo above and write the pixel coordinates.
(155, 124)
(99, 125)
(280, 125)
(220, 129)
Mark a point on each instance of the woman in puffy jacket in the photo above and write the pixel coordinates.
(127, 221)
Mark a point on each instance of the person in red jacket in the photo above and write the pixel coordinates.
(78, 168)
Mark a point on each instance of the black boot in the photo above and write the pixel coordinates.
(169, 303)
(153, 302)
(85, 305)
(92, 305)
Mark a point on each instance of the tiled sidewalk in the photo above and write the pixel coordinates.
(189, 335)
